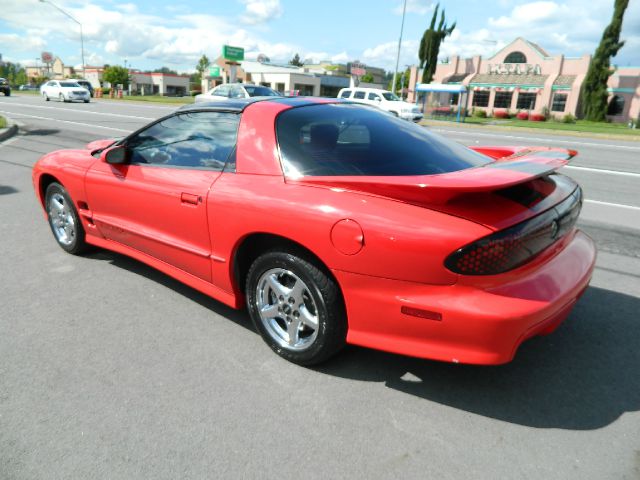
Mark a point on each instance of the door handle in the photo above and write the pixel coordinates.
(190, 198)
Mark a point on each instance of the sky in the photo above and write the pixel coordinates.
(149, 34)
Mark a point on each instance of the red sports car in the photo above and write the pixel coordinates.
(335, 223)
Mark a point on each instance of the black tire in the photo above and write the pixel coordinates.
(77, 243)
(325, 294)
(46, 97)
(7, 93)
(86, 101)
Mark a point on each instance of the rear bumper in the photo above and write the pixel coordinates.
(479, 324)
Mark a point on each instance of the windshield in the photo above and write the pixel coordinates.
(353, 140)
(390, 97)
(69, 84)
(259, 91)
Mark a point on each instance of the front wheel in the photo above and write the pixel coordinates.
(63, 220)
(61, 98)
(296, 307)
(46, 97)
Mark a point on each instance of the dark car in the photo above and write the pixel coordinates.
(84, 83)
(4, 87)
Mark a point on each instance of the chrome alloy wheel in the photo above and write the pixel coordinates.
(61, 218)
(287, 309)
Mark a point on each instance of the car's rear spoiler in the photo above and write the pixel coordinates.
(512, 166)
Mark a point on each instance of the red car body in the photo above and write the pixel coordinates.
(384, 239)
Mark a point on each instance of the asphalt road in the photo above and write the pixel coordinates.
(109, 369)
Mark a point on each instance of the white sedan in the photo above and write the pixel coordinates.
(64, 91)
(236, 90)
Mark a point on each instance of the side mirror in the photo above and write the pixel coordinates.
(116, 156)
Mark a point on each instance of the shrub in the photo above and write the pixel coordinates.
(3, 122)
(537, 117)
(480, 113)
(501, 114)
(105, 91)
(522, 116)
(193, 93)
(568, 118)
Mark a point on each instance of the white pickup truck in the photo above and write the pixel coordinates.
(382, 99)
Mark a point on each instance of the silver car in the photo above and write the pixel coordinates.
(236, 90)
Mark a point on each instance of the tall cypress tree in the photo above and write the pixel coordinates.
(594, 88)
(430, 45)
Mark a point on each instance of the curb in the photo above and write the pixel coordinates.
(10, 131)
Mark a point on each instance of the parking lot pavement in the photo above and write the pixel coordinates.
(109, 369)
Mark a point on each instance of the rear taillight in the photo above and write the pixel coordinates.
(514, 246)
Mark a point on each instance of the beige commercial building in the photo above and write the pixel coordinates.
(523, 76)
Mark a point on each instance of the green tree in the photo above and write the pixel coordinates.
(296, 61)
(14, 73)
(594, 88)
(367, 78)
(203, 64)
(165, 70)
(116, 75)
(430, 45)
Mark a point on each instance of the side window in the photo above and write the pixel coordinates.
(359, 95)
(345, 94)
(373, 96)
(236, 92)
(201, 140)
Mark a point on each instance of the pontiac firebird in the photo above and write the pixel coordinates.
(335, 223)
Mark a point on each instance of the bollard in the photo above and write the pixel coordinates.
(119, 93)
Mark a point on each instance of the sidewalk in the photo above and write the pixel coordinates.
(9, 131)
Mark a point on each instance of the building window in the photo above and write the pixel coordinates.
(502, 100)
(515, 57)
(559, 102)
(480, 99)
(526, 101)
(280, 87)
(616, 106)
(304, 90)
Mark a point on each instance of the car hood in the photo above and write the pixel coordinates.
(100, 144)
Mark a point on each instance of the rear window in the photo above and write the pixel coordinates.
(352, 140)
(258, 91)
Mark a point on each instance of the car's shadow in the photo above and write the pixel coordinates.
(582, 377)
(239, 317)
(7, 189)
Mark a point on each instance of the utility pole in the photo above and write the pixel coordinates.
(395, 72)
(81, 35)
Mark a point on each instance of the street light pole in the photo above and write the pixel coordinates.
(395, 72)
(79, 24)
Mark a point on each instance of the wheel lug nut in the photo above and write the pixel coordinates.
(292, 300)
(296, 314)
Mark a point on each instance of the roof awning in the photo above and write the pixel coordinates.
(440, 87)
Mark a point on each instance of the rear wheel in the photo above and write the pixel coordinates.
(63, 220)
(296, 307)
(46, 97)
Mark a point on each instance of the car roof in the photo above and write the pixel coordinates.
(239, 104)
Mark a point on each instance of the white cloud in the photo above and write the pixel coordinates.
(384, 55)
(260, 11)
(22, 43)
(421, 7)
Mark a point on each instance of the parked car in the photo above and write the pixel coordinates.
(26, 87)
(235, 90)
(383, 99)
(5, 87)
(64, 91)
(335, 223)
(83, 83)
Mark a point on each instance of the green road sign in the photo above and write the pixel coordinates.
(214, 71)
(234, 54)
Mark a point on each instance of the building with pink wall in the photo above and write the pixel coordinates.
(523, 76)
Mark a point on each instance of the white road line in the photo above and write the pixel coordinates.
(83, 111)
(56, 120)
(577, 141)
(618, 205)
(602, 170)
